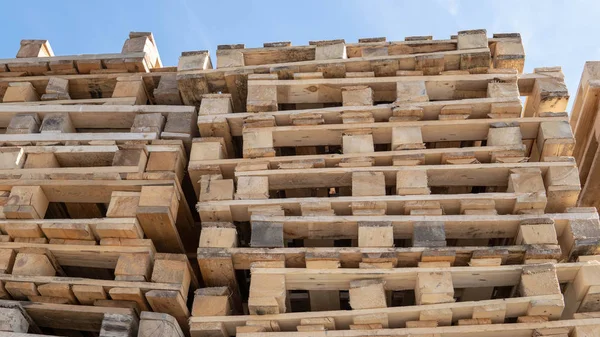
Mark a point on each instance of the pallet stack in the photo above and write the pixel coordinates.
(388, 188)
(94, 218)
(361, 189)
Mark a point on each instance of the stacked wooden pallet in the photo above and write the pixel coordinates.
(95, 222)
(342, 189)
(402, 180)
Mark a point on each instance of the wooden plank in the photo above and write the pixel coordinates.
(238, 210)
(405, 278)
(455, 226)
(432, 131)
(397, 316)
(76, 317)
(91, 116)
(438, 175)
(484, 154)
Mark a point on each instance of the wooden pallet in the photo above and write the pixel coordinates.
(369, 294)
(35, 57)
(143, 280)
(504, 47)
(151, 208)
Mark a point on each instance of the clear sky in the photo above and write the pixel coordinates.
(554, 33)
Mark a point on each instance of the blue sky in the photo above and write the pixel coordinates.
(554, 32)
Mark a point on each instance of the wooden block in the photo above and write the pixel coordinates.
(375, 234)
(261, 98)
(531, 234)
(230, 57)
(455, 112)
(73, 231)
(498, 90)
(368, 183)
(323, 300)
(31, 264)
(208, 148)
(118, 325)
(585, 331)
(411, 92)
(555, 139)
(41, 160)
(429, 234)
(35, 48)
(269, 326)
(575, 293)
(169, 302)
(59, 122)
(580, 237)
(57, 290)
(215, 104)
(23, 123)
(442, 316)
(357, 96)
(57, 85)
(213, 301)
(167, 92)
(367, 294)
(131, 87)
(249, 188)
(330, 49)
(20, 291)
(317, 324)
(527, 181)
(123, 204)
(257, 143)
(266, 234)
(133, 267)
(430, 64)
(153, 324)
(504, 136)
(471, 205)
(590, 303)
(412, 182)
(532, 319)
(551, 308)
(214, 187)
(194, 60)
(129, 294)
(249, 329)
(474, 321)
(151, 122)
(505, 110)
(118, 304)
(472, 39)
(87, 294)
(7, 260)
(160, 196)
(268, 295)
(537, 280)
(172, 268)
(495, 312)
(20, 92)
(358, 143)
(12, 320)
(548, 95)
(218, 237)
(407, 138)
(434, 287)
(509, 55)
(421, 324)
